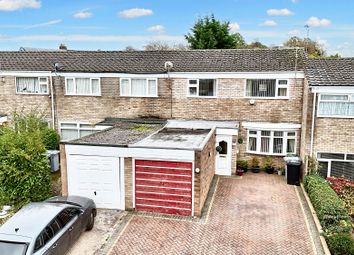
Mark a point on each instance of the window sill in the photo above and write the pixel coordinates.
(208, 97)
(32, 94)
(335, 116)
(267, 154)
(267, 98)
(139, 96)
(82, 95)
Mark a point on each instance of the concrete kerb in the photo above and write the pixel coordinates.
(317, 222)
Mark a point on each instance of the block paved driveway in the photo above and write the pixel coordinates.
(258, 214)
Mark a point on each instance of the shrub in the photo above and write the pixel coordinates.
(345, 190)
(268, 163)
(24, 168)
(341, 244)
(254, 162)
(330, 209)
(51, 139)
(242, 164)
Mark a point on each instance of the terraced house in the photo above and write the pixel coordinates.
(140, 129)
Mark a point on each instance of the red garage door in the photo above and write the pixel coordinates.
(163, 187)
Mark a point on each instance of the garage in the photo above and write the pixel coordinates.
(163, 187)
(96, 177)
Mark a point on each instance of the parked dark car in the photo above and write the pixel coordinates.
(49, 227)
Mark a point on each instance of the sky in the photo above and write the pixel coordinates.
(116, 24)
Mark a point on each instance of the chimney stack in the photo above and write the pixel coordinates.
(63, 47)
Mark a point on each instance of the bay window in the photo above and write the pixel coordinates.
(138, 87)
(82, 86)
(271, 142)
(336, 105)
(32, 85)
(201, 88)
(267, 88)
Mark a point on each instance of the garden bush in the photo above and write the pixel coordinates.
(24, 168)
(330, 209)
(332, 214)
(341, 244)
(51, 139)
(345, 190)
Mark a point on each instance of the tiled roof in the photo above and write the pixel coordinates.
(330, 72)
(233, 60)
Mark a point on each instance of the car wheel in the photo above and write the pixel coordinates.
(91, 221)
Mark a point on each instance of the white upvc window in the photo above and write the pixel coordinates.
(75, 130)
(336, 164)
(271, 142)
(82, 86)
(32, 85)
(267, 88)
(138, 87)
(336, 105)
(202, 88)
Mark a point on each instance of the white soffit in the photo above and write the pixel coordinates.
(333, 89)
(270, 126)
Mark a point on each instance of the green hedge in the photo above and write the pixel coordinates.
(332, 214)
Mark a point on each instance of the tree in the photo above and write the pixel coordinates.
(313, 48)
(24, 167)
(159, 45)
(209, 33)
(256, 45)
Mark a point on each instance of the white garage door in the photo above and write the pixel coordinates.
(96, 177)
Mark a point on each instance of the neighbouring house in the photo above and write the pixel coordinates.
(330, 111)
(140, 129)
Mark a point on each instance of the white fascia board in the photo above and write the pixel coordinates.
(185, 75)
(26, 73)
(125, 152)
(271, 126)
(226, 131)
(162, 154)
(333, 89)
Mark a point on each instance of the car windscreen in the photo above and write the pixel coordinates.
(10, 248)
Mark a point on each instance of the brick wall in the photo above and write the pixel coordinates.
(205, 161)
(128, 183)
(10, 101)
(110, 104)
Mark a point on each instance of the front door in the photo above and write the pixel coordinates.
(223, 154)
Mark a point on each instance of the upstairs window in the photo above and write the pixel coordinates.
(271, 142)
(202, 88)
(32, 85)
(138, 87)
(267, 88)
(83, 86)
(336, 105)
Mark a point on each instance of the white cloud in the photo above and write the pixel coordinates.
(13, 5)
(83, 14)
(157, 29)
(294, 1)
(234, 27)
(294, 32)
(45, 24)
(135, 12)
(268, 23)
(317, 22)
(279, 12)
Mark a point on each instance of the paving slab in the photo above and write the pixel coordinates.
(256, 214)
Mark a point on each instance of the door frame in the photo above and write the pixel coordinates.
(228, 139)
